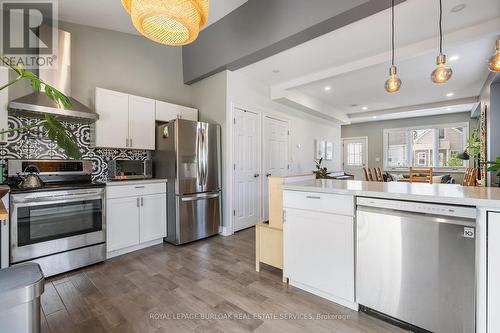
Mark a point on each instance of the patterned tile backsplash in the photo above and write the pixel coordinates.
(35, 145)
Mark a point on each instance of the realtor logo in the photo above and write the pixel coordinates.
(29, 32)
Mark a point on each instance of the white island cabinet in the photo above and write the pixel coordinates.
(136, 215)
(318, 241)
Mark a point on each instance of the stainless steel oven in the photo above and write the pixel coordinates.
(51, 222)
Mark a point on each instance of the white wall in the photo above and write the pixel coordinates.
(215, 97)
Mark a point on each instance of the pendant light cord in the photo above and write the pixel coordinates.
(392, 61)
(440, 27)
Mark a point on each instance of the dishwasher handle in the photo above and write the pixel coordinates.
(421, 217)
(467, 212)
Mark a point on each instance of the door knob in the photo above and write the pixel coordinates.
(268, 174)
(256, 175)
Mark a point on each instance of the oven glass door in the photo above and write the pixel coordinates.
(42, 223)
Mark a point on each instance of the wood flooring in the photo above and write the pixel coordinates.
(207, 286)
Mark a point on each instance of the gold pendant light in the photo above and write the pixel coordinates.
(169, 22)
(494, 64)
(442, 73)
(392, 84)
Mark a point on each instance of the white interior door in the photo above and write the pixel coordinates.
(355, 156)
(275, 156)
(246, 154)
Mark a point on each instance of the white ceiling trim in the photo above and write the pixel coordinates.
(286, 90)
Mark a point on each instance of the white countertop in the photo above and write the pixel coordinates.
(488, 197)
(135, 182)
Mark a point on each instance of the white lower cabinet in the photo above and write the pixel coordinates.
(134, 220)
(319, 246)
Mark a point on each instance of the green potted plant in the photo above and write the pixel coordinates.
(494, 166)
(52, 128)
(321, 172)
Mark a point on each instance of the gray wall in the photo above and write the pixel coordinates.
(122, 62)
(374, 131)
(494, 121)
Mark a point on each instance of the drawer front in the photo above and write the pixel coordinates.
(320, 202)
(118, 191)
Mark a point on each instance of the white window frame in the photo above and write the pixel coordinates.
(419, 157)
(409, 142)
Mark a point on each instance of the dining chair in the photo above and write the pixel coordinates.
(470, 177)
(379, 176)
(416, 175)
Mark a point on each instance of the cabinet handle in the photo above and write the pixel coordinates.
(139, 186)
(312, 197)
(142, 201)
(130, 143)
(137, 202)
(126, 142)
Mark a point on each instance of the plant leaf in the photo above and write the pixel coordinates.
(60, 135)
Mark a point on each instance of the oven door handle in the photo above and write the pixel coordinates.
(55, 199)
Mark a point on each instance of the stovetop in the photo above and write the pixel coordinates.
(56, 187)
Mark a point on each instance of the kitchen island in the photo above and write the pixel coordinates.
(321, 240)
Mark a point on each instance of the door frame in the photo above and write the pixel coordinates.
(263, 180)
(230, 166)
(366, 150)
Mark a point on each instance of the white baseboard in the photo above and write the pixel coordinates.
(226, 232)
(351, 305)
(129, 249)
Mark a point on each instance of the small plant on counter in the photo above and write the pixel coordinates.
(321, 172)
(494, 166)
(53, 129)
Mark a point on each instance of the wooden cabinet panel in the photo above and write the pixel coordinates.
(122, 223)
(141, 123)
(111, 130)
(153, 217)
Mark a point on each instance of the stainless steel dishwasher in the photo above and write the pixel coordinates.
(416, 264)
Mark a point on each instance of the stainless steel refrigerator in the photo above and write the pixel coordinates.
(188, 154)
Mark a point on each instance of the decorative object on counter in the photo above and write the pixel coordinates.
(329, 151)
(169, 22)
(392, 84)
(53, 129)
(494, 64)
(320, 172)
(494, 166)
(470, 177)
(473, 152)
(320, 149)
(442, 73)
(31, 145)
(483, 136)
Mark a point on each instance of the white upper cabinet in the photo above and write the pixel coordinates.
(4, 101)
(168, 111)
(125, 121)
(141, 115)
(111, 130)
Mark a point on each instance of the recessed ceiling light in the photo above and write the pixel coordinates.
(365, 108)
(374, 117)
(450, 94)
(328, 88)
(454, 58)
(276, 71)
(458, 8)
(448, 109)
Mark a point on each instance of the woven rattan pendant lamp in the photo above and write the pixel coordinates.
(169, 22)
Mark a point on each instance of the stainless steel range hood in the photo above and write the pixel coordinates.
(35, 105)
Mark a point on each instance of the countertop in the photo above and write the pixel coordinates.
(135, 182)
(488, 197)
(4, 214)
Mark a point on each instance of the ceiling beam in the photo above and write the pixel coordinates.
(261, 28)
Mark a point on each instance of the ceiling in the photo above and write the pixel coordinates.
(354, 61)
(109, 14)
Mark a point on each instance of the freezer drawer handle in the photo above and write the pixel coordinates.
(211, 196)
(312, 197)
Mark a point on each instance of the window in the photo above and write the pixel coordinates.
(434, 146)
(355, 153)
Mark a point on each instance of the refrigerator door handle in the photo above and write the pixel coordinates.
(199, 154)
(201, 197)
(205, 155)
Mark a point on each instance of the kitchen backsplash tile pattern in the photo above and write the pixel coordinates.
(35, 145)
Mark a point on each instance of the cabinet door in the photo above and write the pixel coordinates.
(153, 217)
(141, 122)
(122, 223)
(111, 130)
(4, 101)
(189, 114)
(167, 111)
(319, 252)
